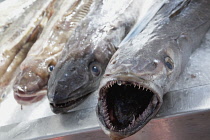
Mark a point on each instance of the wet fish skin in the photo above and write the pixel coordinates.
(88, 51)
(147, 66)
(19, 37)
(30, 84)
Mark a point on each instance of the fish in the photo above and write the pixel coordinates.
(88, 51)
(145, 67)
(30, 84)
(11, 10)
(17, 40)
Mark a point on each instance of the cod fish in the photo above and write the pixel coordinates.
(31, 83)
(88, 51)
(16, 41)
(147, 65)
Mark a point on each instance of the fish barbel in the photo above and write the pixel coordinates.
(88, 51)
(30, 84)
(147, 65)
(16, 41)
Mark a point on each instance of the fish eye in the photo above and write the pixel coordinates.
(50, 68)
(95, 69)
(169, 63)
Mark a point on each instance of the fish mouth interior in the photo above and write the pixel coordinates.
(126, 106)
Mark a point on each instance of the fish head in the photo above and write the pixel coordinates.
(131, 90)
(31, 82)
(75, 78)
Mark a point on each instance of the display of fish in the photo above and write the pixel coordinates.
(145, 67)
(31, 83)
(88, 51)
(21, 35)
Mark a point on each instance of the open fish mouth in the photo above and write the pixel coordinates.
(25, 98)
(124, 107)
(66, 105)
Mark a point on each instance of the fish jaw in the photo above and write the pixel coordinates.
(126, 104)
(67, 104)
(29, 87)
(28, 99)
(62, 99)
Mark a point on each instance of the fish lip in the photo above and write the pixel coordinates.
(38, 92)
(129, 130)
(68, 104)
(26, 98)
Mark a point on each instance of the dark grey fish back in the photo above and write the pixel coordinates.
(185, 22)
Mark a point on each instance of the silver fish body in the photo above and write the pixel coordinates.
(145, 67)
(89, 50)
(30, 83)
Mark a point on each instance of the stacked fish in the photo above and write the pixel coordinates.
(19, 37)
(132, 51)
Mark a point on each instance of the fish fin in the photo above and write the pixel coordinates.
(81, 13)
(177, 10)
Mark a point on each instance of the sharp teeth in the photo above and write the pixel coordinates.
(133, 121)
(119, 83)
(154, 100)
(144, 113)
(106, 117)
(110, 124)
(104, 112)
(129, 126)
(139, 118)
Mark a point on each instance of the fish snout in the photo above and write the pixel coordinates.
(28, 82)
(57, 93)
(66, 93)
(67, 86)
